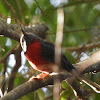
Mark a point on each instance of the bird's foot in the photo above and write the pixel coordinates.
(42, 75)
(33, 77)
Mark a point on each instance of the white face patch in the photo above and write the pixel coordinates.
(23, 43)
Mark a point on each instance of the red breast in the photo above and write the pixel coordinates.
(33, 54)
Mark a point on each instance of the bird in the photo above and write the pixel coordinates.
(41, 56)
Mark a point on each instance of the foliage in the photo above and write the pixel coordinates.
(81, 21)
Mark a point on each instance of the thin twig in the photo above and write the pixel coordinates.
(17, 53)
(83, 29)
(83, 48)
(12, 10)
(38, 6)
(7, 54)
(2, 86)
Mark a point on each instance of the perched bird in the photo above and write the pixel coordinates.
(41, 56)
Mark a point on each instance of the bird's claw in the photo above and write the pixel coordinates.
(42, 75)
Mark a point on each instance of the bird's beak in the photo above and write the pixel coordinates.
(23, 31)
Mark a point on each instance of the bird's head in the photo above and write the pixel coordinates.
(26, 39)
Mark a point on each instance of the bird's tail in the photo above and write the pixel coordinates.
(82, 78)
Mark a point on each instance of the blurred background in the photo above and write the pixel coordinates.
(81, 28)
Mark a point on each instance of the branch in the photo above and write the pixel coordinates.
(38, 6)
(83, 47)
(80, 93)
(31, 86)
(83, 29)
(91, 64)
(3, 59)
(17, 54)
(13, 30)
(2, 86)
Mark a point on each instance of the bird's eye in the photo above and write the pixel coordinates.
(23, 40)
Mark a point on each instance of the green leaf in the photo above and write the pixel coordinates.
(67, 94)
(64, 84)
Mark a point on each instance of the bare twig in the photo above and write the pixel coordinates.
(2, 86)
(38, 6)
(83, 29)
(4, 60)
(81, 94)
(92, 62)
(7, 55)
(17, 54)
(83, 47)
(31, 86)
(12, 10)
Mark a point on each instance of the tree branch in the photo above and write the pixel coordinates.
(2, 86)
(13, 30)
(91, 64)
(31, 86)
(17, 53)
(83, 47)
(83, 29)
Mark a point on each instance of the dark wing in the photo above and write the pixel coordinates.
(65, 64)
(48, 53)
